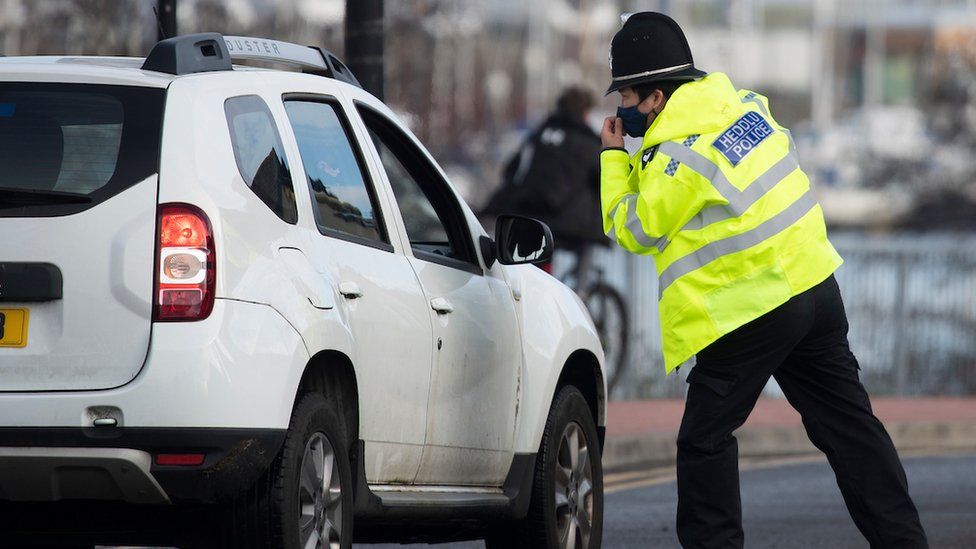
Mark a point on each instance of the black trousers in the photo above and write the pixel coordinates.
(803, 345)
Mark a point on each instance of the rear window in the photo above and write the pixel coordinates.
(67, 147)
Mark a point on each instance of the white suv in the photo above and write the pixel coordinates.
(253, 290)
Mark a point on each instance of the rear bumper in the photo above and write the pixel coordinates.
(54, 464)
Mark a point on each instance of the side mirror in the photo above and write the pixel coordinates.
(522, 240)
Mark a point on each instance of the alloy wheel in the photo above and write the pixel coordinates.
(319, 495)
(574, 489)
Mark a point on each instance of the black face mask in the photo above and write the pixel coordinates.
(635, 122)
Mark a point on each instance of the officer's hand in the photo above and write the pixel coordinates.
(612, 133)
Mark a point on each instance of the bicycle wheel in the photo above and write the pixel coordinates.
(609, 313)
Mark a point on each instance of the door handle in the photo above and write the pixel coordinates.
(350, 290)
(441, 305)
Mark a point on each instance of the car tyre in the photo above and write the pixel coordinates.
(306, 492)
(566, 509)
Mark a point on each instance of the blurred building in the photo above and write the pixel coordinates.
(880, 92)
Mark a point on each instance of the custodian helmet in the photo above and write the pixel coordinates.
(650, 48)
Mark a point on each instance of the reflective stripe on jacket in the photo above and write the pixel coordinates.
(716, 196)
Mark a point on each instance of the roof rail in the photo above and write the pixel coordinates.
(213, 52)
(310, 59)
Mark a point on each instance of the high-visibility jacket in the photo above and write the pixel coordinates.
(716, 196)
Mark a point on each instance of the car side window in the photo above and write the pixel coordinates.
(345, 203)
(431, 215)
(260, 155)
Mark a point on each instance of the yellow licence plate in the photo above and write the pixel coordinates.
(13, 327)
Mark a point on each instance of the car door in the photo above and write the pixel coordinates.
(378, 290)
(477, 362)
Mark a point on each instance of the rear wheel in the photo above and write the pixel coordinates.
(566, 511)
(320, 509)
(304, 500)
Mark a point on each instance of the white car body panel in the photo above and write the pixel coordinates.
(96, 337)
(555, 324)
(258, 256)
(474, 386)
(226, 371)
(121, 71)
(394, 368)
(474, 383)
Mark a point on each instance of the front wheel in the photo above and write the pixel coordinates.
(566, 511)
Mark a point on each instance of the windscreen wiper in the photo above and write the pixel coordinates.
(11, 198)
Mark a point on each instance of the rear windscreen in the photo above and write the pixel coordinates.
(67, 147)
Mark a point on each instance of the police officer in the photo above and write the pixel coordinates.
(715, 195)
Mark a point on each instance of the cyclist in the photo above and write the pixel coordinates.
(555, 178)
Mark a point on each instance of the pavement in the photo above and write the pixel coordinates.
(641, 434)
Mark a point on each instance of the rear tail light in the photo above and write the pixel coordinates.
(186, 276)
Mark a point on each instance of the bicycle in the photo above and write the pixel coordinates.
(607, 309)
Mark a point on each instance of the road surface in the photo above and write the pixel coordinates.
(786, 504)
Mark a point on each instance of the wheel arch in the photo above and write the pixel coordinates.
(582, 370)
(332, 374)
(560, 346)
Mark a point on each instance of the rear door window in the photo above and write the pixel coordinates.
(67, 147)
(260, 155)
(345, 204)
